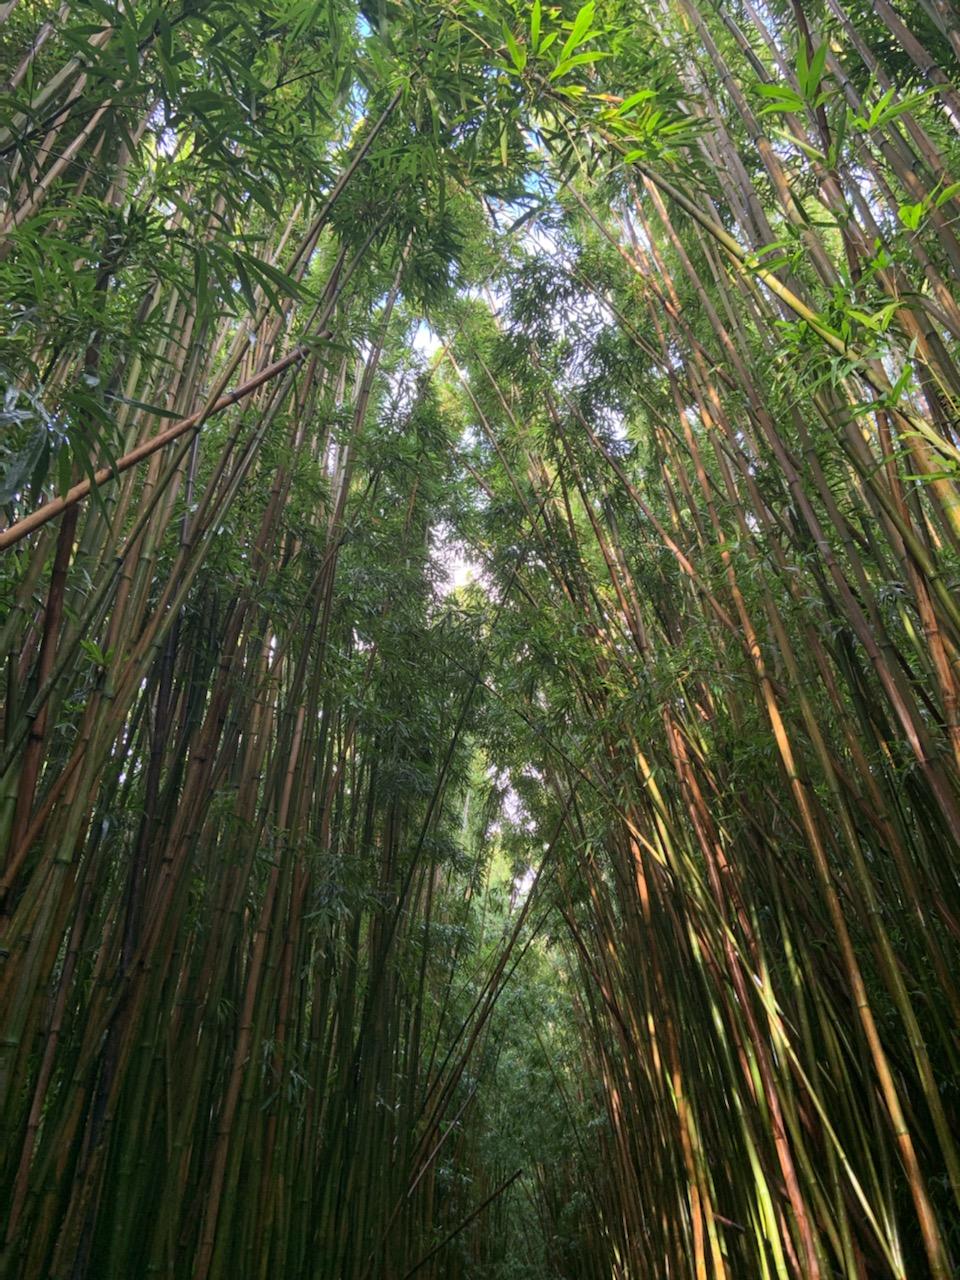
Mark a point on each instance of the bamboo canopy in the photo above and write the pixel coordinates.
(479, 564)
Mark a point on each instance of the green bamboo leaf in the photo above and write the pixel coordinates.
(518, 56)
(805, 147)
(783, 99)
(580, 30)
(153, 409)
(911, 215)
(578, 59)
(810, 74)
(642, 95)
(23, 472)
(243, 280)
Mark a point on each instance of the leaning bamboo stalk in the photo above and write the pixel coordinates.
(56, 506)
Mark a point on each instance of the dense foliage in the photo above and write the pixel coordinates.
(480, 784)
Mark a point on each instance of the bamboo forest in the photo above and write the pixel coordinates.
(480, 640)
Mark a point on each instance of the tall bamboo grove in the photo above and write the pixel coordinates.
(480, 762)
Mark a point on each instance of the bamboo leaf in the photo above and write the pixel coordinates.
(579, 31)
(518, 56)
(578, 59)
(642, 95)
